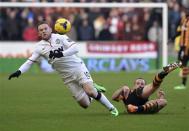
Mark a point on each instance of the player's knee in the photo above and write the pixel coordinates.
(90, 92)
(85, 106)
(84, 102)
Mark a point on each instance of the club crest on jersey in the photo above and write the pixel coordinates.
(69, 40)
(57, 41)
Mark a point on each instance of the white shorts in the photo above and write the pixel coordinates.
(77, 91)
(74, 84)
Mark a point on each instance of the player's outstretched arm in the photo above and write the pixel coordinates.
(15, 74)
(22, 69)
(150, 107)
(26, 66)
(166, 70)
(121, 93)
(71, 46)
(73, 49)
(68, 52)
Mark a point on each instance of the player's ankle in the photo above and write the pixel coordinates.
(162, 74)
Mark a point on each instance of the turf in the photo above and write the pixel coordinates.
(41, 102)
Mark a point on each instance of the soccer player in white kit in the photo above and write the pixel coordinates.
(60, 52)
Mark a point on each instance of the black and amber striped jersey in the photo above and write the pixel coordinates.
(184, 39)
(135, 98)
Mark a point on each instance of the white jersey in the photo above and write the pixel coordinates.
(58, 42)
(66, 65)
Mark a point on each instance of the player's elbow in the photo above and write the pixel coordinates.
(115, 98)
(76, 48)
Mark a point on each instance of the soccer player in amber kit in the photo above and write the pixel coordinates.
(136, 99)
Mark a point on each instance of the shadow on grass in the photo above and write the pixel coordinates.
(143, 114)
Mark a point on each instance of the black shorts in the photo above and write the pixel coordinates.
(135, 98)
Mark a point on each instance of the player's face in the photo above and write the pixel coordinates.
(139, 83)
(44, 31)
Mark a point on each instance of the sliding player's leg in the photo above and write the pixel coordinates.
(79, 94)
(152, 106)
(158, 79)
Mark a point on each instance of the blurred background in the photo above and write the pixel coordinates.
(137, 31)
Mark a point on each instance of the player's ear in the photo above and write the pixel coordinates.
(39, 34)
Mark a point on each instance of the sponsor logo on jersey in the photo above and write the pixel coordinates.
(57, 41)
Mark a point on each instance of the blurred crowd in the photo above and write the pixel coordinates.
(93, 23)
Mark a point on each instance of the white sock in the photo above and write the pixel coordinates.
(103, 100)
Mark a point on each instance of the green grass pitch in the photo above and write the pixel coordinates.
(41, 102)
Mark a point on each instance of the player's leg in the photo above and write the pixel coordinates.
(85, 101)
(184, 73)
(85, 80)
(151, 88)
(152, 106)
(92, 92)
(79, 94)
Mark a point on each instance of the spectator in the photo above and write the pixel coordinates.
(1, 27)
(105, 34)
(86, 31)
(120, 28)
(128, 31)
(137, 33)
(11, 29)
(155, 33)
(73, 33)
(174, 17)
(114, 22)
(30, 32)
(99, 24)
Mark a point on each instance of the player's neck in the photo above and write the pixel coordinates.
(48, 39)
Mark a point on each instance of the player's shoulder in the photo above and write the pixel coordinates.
(39, 45)
(63, 38)
(55, 35)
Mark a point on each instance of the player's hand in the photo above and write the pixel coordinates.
(15, 74)
(161, 94)
(125, 92)
(55, 54)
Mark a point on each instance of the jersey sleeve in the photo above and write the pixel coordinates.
(71, 46)
(26, 66)
(73, 49)
(67, 41)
